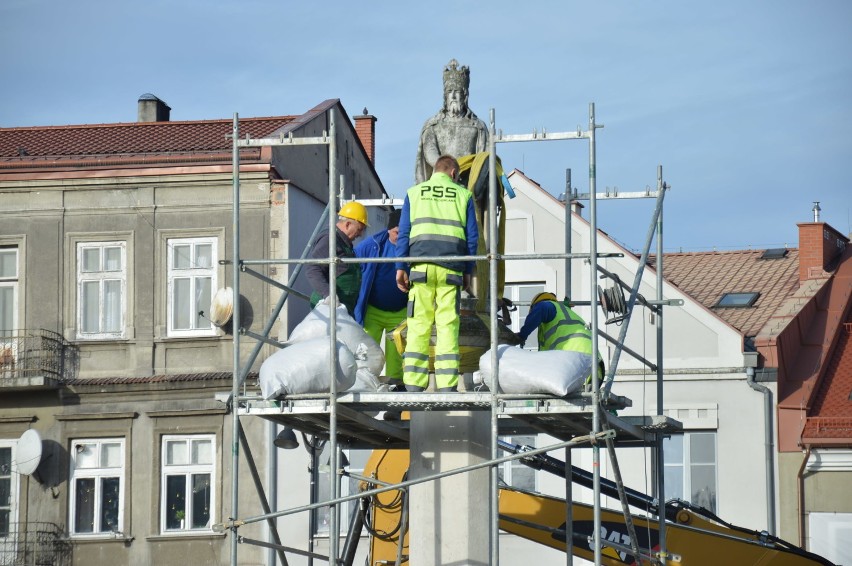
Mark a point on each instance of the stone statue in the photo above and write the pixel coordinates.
(455, 130)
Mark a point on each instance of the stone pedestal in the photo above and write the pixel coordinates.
(449, 519)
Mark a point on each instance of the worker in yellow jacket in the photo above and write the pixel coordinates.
(438, 220)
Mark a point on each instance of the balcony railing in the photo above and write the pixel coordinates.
(35, 356)
(33, 544)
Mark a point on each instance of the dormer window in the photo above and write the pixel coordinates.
(737, 300)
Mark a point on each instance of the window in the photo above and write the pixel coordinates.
(514, 473)
(690, 468)
(101, 289)
(774, 253)
(522, 294)
(738, 299)
(8, 489)
(8, 291)
(354, 461)
(97, 486)
(187, 483)
(191, 279)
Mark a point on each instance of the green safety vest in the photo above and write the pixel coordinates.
(348, 282)
(438, 212)
(567, 331)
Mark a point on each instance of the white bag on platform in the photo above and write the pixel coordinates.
(302, 367)
(556, 372)
(316, 325)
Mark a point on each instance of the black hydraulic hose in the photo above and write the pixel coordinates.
(580, 476)
(353, 537)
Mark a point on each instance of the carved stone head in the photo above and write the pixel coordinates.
(456, 88)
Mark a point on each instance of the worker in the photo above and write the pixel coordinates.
(559, 327)
(381, 304)
(351, 223)
(438, 220)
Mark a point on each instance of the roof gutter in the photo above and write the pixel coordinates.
(769, 447)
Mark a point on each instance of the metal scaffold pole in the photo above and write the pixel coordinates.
(235, 254)
(593, 274)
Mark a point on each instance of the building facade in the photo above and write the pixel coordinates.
(114, 238)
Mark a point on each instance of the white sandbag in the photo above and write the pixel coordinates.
(302, 367)
(556, 372)
(365, 381)
(316, 325)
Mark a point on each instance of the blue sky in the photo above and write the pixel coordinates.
(746, 105)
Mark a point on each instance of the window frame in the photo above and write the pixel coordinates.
(346, 487)
(512, 291)
(188, 470)
(14, 489)
(101, 276)
(688, 463)
(8, 345)
(193, 274)
(506, 469)
(96, 473)
(739, 299)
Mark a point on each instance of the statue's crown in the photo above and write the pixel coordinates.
(455, 77)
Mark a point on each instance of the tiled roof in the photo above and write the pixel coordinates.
(131, 138)
(834, 398)
(707, 276)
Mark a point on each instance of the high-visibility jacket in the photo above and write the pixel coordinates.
(442, 222)
(567, 331)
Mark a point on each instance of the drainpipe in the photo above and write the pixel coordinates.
(769, 446)
(800, 491)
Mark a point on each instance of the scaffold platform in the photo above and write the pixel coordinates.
(360, 422)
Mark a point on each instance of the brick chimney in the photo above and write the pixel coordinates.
(365, 127)
(819, 245)
(152, 109)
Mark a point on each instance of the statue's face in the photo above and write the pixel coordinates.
(455, 101)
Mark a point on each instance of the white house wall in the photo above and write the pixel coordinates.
(705, 381)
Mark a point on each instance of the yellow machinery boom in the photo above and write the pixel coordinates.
(693, 537)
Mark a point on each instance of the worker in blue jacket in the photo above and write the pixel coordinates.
(558, 326)
(381, 304)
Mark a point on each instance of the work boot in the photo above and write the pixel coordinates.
(396, 387)
(447, 389)
(415, 388)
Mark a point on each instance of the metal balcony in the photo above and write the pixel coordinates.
(33, 544)
(35, 359)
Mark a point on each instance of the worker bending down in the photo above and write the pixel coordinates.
(438, 220)
(351, 223)
(559, 327)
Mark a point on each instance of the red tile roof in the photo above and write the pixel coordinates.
(707, 276)
(20, 144)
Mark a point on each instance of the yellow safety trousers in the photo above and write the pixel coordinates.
(433, 299)
(376, 322)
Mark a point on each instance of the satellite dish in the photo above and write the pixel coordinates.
(222, 307)
(28, 453)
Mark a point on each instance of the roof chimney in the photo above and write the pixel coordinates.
(152, 109)
(365, 127)
(819, 245)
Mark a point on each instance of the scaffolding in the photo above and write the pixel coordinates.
(342, 418)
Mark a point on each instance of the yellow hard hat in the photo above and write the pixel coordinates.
(545, 296)
(355, 211)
